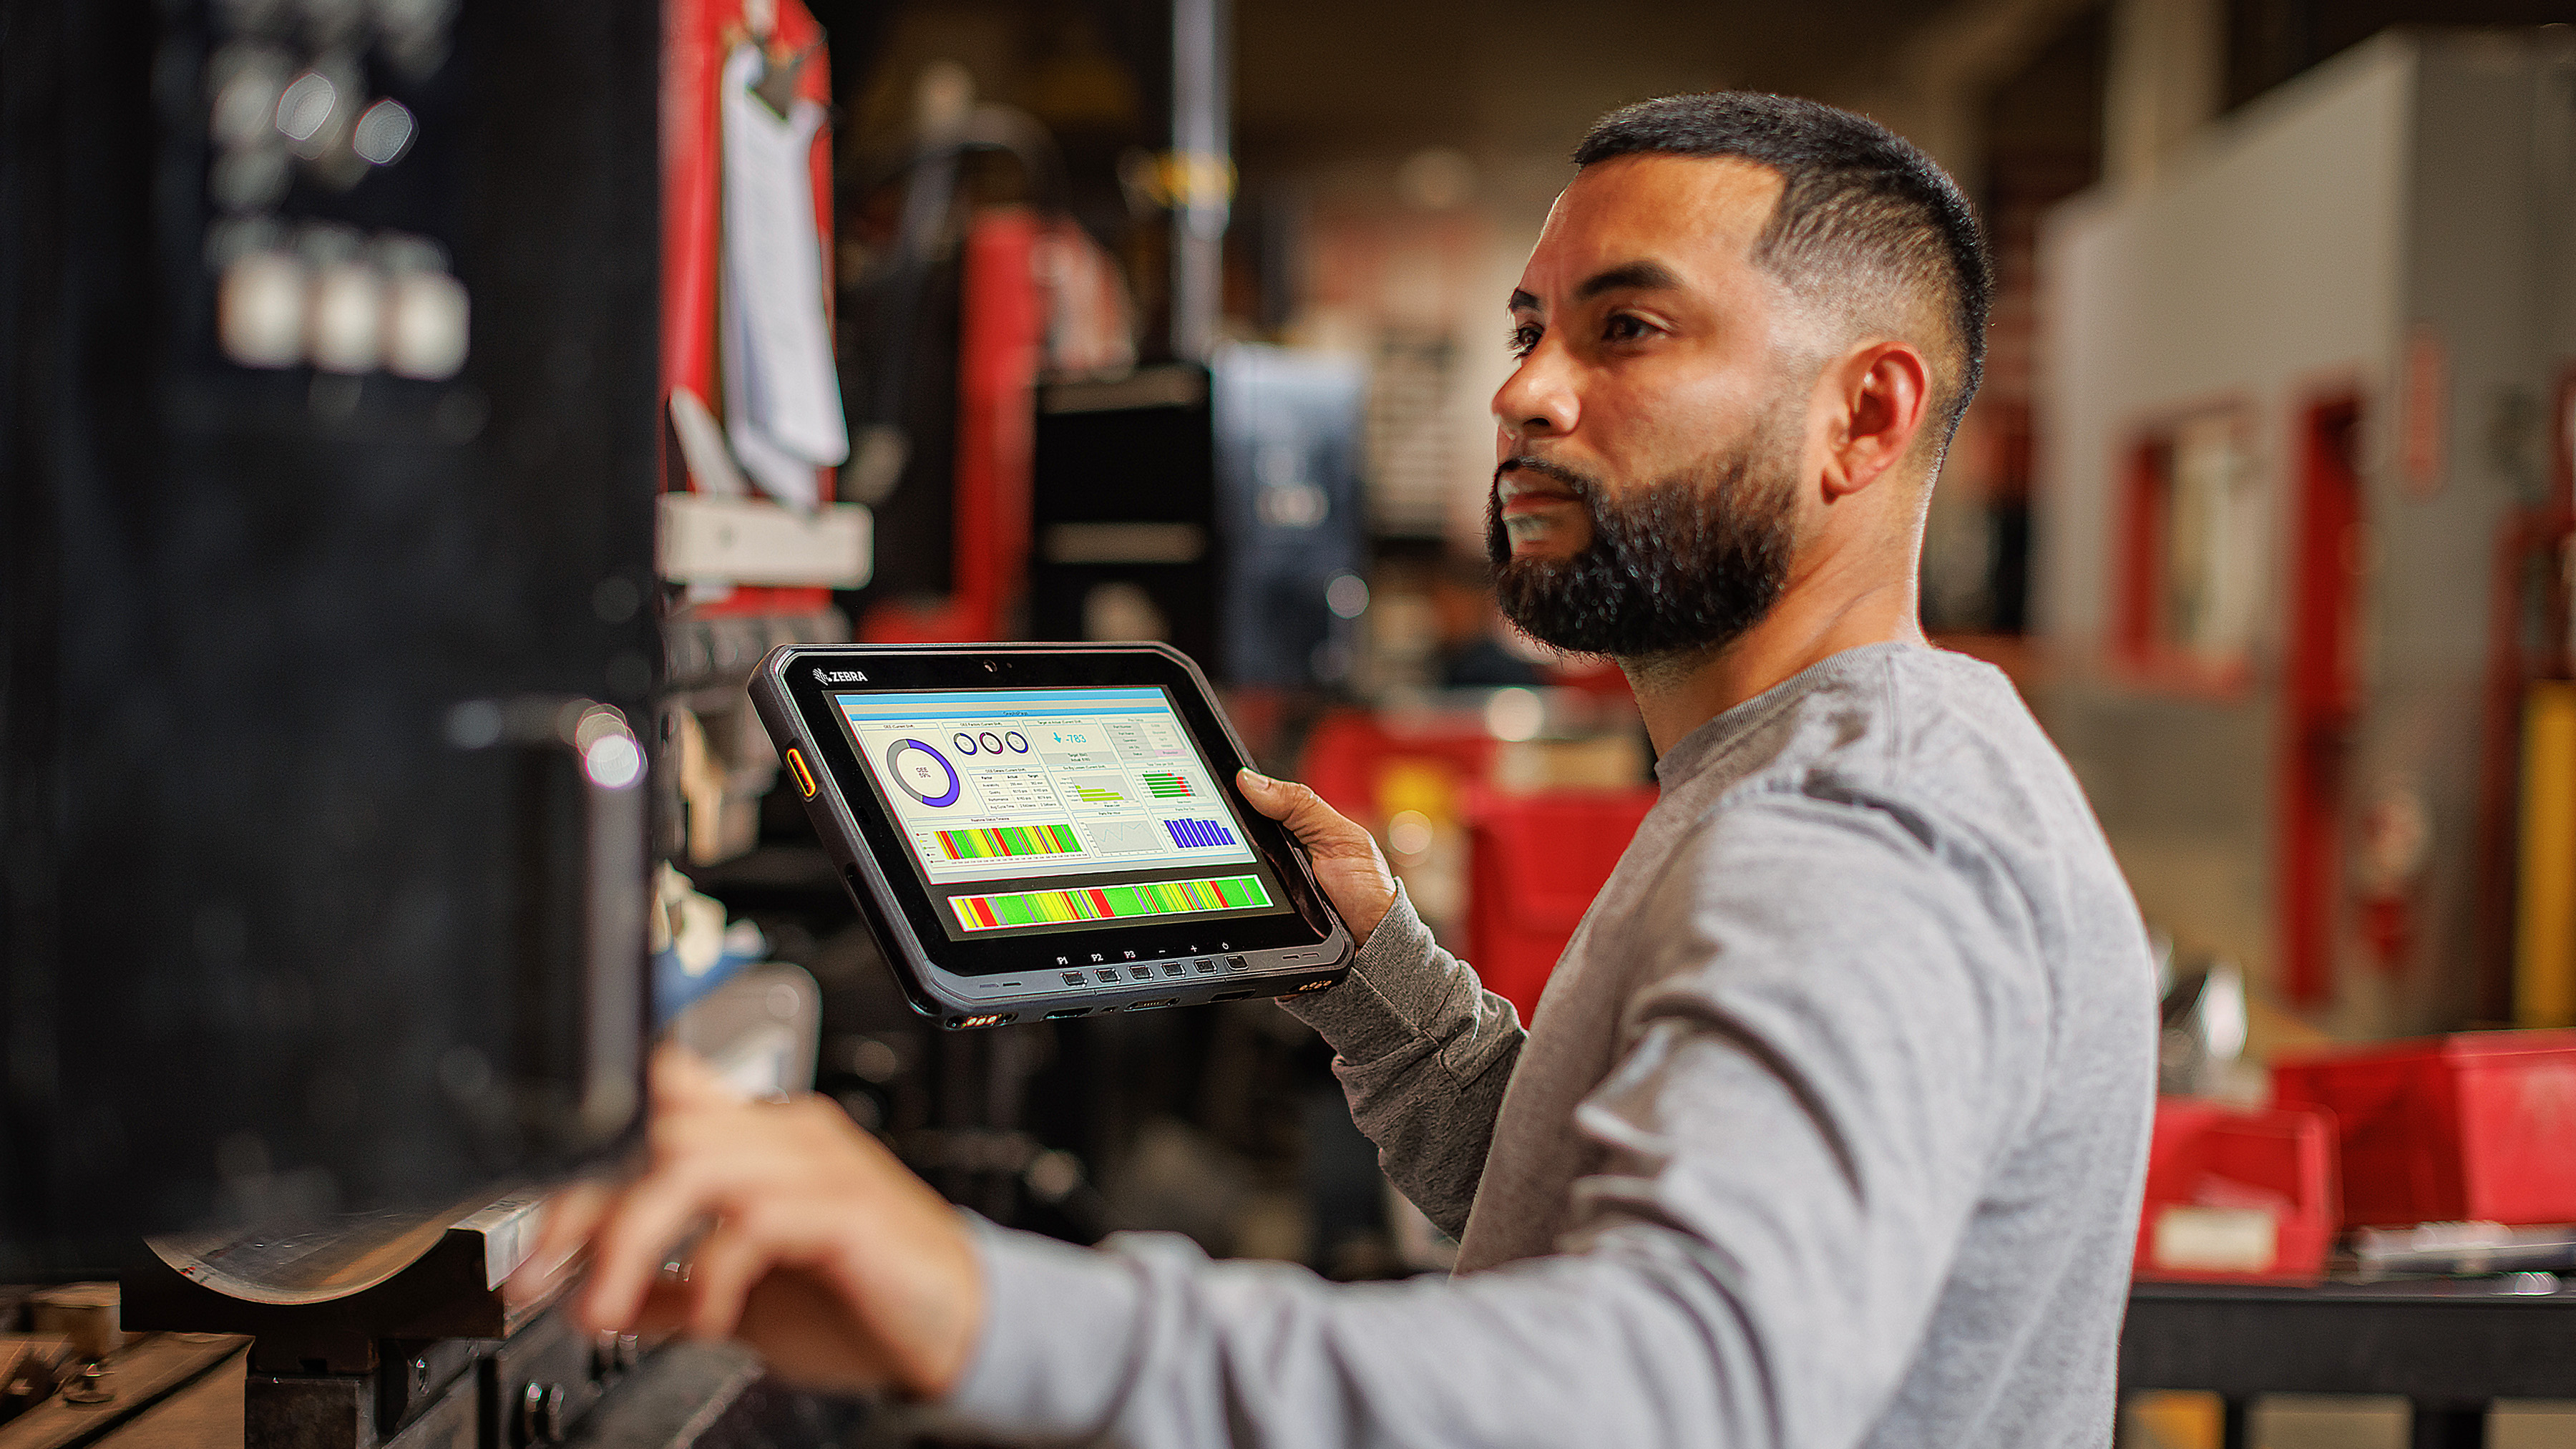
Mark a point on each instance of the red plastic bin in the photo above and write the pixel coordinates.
(2478, 1126)
(1534, 863)
(2237, 1195)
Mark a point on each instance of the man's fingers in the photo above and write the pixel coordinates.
(631, 1246)
(565, 1223)
(727, 1262)
(815, 1240)
(708, 1162)
(1323, 829)
(665, 1308)
(1348, 865)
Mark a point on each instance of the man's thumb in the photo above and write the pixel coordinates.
(1298, 807)
(1280, 800)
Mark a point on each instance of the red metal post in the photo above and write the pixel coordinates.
(2321, 688)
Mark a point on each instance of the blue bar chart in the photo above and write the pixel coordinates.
(1190, 834)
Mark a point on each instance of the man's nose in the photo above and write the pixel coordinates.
(1538, 400)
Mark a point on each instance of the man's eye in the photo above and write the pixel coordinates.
(1621, 327)
(1524, 338)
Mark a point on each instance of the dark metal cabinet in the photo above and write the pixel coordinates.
(310, 899)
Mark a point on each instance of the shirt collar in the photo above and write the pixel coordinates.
(1695, 751)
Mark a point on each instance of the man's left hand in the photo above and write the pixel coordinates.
(814, 1245)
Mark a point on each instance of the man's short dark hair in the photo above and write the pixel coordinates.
(1858, 198)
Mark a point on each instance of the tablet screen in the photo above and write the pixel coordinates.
(1039, 810)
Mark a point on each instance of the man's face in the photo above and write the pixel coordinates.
(1650, 443)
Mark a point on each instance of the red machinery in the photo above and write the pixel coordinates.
(2271, 522)
(1000, 347)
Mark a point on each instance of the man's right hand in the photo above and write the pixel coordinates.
(1347, 863)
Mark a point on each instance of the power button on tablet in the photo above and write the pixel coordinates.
(804, 776)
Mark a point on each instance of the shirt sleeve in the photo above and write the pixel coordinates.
(1843, 1027)
(1423, 1052)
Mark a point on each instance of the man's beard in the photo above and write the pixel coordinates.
(1684, 565)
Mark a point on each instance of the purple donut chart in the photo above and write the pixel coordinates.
(922, 773)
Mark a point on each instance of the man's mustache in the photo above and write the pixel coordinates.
(1583, 487)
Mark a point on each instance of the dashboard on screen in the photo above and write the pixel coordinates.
(1031, 811)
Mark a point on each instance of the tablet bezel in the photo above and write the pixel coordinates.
(798, 671)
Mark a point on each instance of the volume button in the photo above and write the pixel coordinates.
(804, 777)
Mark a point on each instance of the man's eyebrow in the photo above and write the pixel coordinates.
(1639, 276)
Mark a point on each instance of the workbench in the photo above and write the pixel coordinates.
(2449, 1347)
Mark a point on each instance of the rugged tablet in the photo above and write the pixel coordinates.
(1046, 831)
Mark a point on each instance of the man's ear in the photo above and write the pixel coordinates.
(1879, 397)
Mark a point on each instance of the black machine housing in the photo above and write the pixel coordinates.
(968, 983)
(283, 934)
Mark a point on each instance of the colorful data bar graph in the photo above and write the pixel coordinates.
(1009, 840)
(1164, 785)
(1096, 795)
(1193, 834)
(1108, 903)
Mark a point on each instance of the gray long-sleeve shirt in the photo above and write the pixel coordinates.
(1829, 1130)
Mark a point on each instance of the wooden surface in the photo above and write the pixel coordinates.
(172, 1391)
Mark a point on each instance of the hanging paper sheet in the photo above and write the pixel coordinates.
(782, 398)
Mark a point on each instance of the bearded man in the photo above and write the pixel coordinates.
(1830, 1127)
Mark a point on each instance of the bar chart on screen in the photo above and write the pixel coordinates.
(1193, 834)
(1108, 903)
(1008, 840)
(1164, 785)
(1098, 789)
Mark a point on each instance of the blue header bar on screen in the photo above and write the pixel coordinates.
(1001, 703)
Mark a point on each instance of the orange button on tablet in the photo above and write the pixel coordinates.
(796, 767)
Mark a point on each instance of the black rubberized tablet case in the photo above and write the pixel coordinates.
(1051, 989)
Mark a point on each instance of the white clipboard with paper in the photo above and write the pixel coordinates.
(782, 397)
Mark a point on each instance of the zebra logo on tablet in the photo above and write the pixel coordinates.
(839, 676)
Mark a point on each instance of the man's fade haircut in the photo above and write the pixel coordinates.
(1858, 198)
